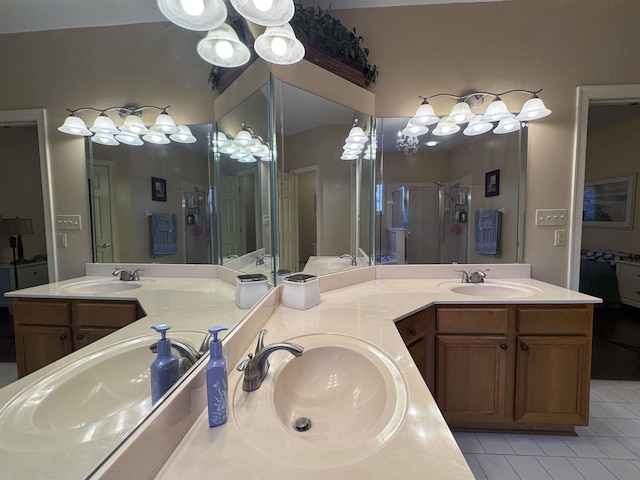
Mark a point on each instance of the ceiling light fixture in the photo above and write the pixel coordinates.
(105, 132)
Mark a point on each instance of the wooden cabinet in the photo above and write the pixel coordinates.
(413, 332)
(628, 274)
(48, 329)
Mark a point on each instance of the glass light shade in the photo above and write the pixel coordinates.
(532, 110)
(164, 124)
(248, 159)
(279, 45)
(413, 130)
(477, 126)
(446, 127)
(496, 111)
(129, 139)
(432, 143)
(240, 154)
(183, 136)
(104, 124)
(104, 139)
(425, 115)
(461, 113)
(263, 153)
(222, 47)
(348, 156)
(243, 138)
(356, 135)
(74, 126)
(256, 147)
(156, 138)
(220, 139)
(268, 13)
(134, 124)
(353, 147)
(230, 149)
(507, 125)
(198, 15)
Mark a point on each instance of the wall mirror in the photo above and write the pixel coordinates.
(324, 202)
(440, 197)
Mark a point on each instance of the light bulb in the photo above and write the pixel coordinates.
(263, 5)
(459, 118)
(279, 46)
(224, 49)
(446, 129)
(509, 126)
(477, 127)
(192, 7)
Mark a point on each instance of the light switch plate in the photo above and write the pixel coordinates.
(68, 222)
(560, 238)
(550, 217)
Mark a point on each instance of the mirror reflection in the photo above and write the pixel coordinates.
(451, 198)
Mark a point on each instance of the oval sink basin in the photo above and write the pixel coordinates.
(496, 290)
(351, 395)
(100, 396)
(322, 265)
(101, 286)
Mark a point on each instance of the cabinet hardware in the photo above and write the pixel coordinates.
(413, 332)
(525, 348)
(504, 346)
(79, 337)
(62, 337)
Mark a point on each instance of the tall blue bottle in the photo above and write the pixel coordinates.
(164, 370)
(216, 380)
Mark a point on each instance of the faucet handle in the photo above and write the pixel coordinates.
(245, 363)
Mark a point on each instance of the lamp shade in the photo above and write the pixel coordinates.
(16, 226)
(184, 135)
(279, 45)
(244, 138)
(507, 125)
(477, 126)
(255, 147)
(220, 139)
(156, 138)
(413, 130)
(134, 124)
(425, 115)
(230, 149)
(268, 13)
(104, 124)
(532, 110)
(461, 113)
(349, 156)
(129, 139)
(74, 126)
(356, 135)
(105, 139)
(164, 124)
(496, 111)
(222, 47)
(199, 15)
(446, 127)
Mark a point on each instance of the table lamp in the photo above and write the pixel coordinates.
(18, 227)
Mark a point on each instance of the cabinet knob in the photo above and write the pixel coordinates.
(504, 346)
(63, 337)
(79, 337)
(525, 348)
(413, 332)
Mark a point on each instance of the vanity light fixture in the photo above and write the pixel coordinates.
(222, 47)
(105, 132)
(246, 147)
(354, 144)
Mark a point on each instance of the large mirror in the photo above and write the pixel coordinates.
(445, 199)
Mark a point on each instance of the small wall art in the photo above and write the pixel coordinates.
(609, 202)
(158, 189)
(492, 183)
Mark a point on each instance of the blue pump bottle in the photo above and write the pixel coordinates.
(164, 370)
(216, 380)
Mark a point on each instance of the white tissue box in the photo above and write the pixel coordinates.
(250, 289)
(301, 291)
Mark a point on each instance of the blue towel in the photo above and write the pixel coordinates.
(487, 232)
(164, 234)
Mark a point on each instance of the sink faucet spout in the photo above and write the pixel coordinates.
(354, 262)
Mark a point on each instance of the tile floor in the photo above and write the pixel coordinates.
(608, 449)
(8, 373)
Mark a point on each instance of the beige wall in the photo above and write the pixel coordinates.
(552, 44)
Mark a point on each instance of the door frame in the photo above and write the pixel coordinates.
(38, 117)
(586, 95)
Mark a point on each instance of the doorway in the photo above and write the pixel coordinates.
(308, 181)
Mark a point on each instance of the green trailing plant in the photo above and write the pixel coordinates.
(319, 29)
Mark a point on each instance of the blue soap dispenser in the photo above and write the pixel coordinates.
(216, 380)
(165, 370)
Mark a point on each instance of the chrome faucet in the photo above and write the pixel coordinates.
(260, 258)
(126, 275)
(255, 367)
(350, 257)
(476, 277)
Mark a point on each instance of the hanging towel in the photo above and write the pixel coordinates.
(487, 232)
(164, 234)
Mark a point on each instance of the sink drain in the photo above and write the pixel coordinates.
(302, 424)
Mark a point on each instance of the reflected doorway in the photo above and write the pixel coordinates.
(307, 198)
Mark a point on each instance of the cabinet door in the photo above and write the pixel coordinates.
(552, 379)
(83, 336)
(104, 314)
(39, 346)
(471, 377)
(413, 332)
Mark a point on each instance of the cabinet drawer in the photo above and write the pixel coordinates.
(472, 320)
(411, 328)
(27, 312)
(104, 314)
(32, 275)
(629, 287)
(555, 320)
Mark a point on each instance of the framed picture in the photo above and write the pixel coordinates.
(158, 189)
(609, 202)
(492, 183)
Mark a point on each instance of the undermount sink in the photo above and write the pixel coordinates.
(491, 289)
(101, 395)
(107, 285)
(336, 404)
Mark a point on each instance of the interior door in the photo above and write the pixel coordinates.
(423, 220)
(231, 218)
(289, 247)
(104, 214)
